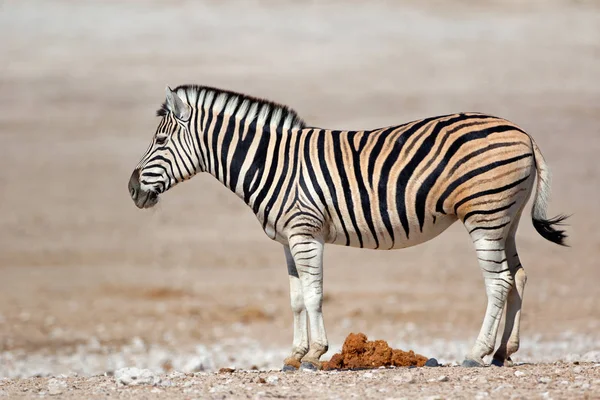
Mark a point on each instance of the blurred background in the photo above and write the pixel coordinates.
(89, 283)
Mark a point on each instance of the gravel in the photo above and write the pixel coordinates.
(428, 383)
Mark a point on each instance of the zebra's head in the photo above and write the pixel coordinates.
(169, 159)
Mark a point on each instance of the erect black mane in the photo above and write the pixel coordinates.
(286, 112)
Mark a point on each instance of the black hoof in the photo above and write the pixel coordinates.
(289, 368)
(308, 366)
(497, 363)
(432, 362)
(471, 364)
(502, 363)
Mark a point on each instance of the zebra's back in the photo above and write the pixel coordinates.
(400, 186)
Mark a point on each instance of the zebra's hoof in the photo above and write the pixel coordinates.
(308, 366)
(288, 368)
(502, 363)
(470, 363)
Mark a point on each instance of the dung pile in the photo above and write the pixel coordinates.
(359, 353)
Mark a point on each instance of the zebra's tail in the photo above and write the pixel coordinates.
(545, 226)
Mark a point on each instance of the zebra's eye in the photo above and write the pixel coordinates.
(161, 139)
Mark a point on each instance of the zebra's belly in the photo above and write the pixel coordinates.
(378, 236)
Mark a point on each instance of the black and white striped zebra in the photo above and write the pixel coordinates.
(386, 188)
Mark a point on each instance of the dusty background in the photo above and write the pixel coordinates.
(89, 283)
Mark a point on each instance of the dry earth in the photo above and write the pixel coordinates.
(89, 284)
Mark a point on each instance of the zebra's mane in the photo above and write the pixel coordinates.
(241, 105)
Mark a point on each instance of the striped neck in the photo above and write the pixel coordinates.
(238, 137)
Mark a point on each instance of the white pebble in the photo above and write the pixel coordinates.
(367, 375)
(443, 378)
(135, 376)
(56, 386)
(519, 374)
(272, 379)
(577, 370)
(544, 379)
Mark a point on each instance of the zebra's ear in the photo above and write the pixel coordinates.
(181, 110)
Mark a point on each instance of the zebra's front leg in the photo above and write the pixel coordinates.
(308, 257)
(300, 343)
(498, 282)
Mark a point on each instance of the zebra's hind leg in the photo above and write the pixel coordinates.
(308, 257)
(498, 282)
(510, 338)
(300, 343)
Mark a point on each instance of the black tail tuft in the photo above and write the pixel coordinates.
(545, 227)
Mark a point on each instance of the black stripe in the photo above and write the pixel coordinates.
(273, 168)
(374, 154)
(480, 151)
(429, 182)
(489, 228)
(309, 166)
(227, 139)
(362, 189)
(295, 154)
(240, 153)
(488, 192)
(337, 142)
(473, 173)
(407, 172)
(386, 168)
(324, 167)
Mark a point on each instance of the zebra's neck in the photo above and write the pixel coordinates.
(240, 140)
(246, 157)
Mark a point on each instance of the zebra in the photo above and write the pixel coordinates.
(386, 188)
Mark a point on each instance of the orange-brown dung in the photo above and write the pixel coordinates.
(358, 352)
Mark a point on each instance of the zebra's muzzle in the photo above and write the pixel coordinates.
(142, 198)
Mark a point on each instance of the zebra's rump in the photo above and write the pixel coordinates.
(403, 185)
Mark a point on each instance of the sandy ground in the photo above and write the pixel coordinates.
(546, 381)
(89, 284)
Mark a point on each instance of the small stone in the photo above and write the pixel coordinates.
(443, 378)
(519, 374)
(272, 379)
(432, 362)
(564, 382)
(260, 379)
(482, 395)
(56, 386)
(135, 376)
(367, 375)
(585, 386)
(544, 379)
(577, 370)
(226, 370)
